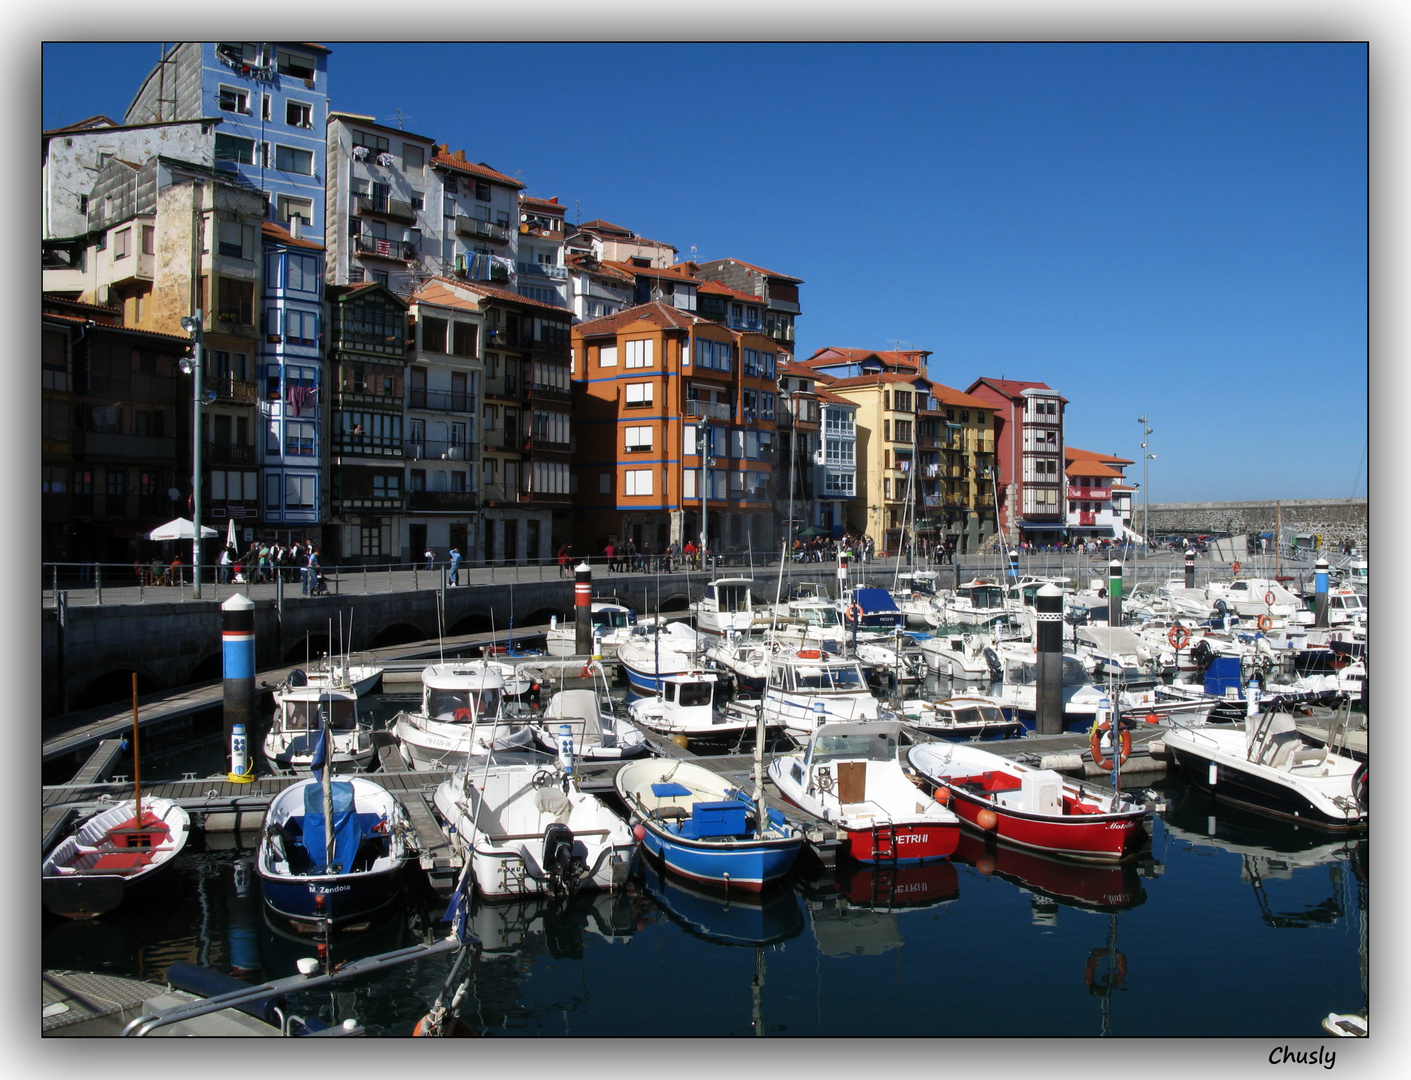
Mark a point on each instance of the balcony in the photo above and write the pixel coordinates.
(395, 209)
(366, 445)
(544, 270)
(484, 230)
(1094, 493)
(228, 454)
(493, 438)
(501, 387)
(380, 247)
(441, 400)
(442, 502)
(498, 493)
(1087, 517)
(545, 498)
(438, 450)
(360, 503)
(227, 388)
(708, 410)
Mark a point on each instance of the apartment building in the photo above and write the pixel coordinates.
(956, 446)
(778, 294)
(1099, 499)
(367, 360)
(272, 101)
(835, 468)
(813, 500)
(543, 274)
(404, 208)
(1028, 418)
(676, 416)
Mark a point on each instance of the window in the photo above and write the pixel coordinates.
(607, 356)
(482, 191)
(416, 480)
(433, 334)
(374, 144)
(266, 108)
(387, 487)
(288, 159)
(290, 207)
(639, 354)
(766, 365)
(903, 431)
(149, 240)
(122, 243)
(749, 361)
(236, 302)
(295, 64)
(637, 482)
(233, 99)
(638, 395)
(462, 339)
(605, 483)
(413, 156)
(638, 439)
(713, 354)
(299, 492)
(298, 114)
(231, 148)
(231, 239)
(766, 401)
(117, 482)
(300, 439)
(901, 401)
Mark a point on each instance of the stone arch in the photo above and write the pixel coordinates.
(114, 684)
(398, 633)
(306, 651)
(209, 668)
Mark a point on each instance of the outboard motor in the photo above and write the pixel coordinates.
(560, 863)
(996, 668)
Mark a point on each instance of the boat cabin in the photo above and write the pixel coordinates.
(808, 671)
(301, 713)
(982, 595)
(729, 594)
(1023, 669)
(461, 695)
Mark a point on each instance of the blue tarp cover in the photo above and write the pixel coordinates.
(347, 830)
(873, 600)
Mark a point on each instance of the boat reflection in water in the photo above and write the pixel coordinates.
(1093, 887)
(856, 910)
(507, 928)
(736, 918)
(884, 888)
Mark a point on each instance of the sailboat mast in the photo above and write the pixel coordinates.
(136, 770)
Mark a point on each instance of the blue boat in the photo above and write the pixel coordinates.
(656, 648)
(699, 825)
(332, 869)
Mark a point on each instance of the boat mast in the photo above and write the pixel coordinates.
(136, 771)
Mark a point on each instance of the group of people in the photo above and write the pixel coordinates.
(453, 564)
(628, 559)
(858, 548)
(263, 562)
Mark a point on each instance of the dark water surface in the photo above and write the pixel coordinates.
(1231, 925)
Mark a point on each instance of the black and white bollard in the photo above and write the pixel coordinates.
(1320, 592)
(1014, 564)
(1190, 568)
(237, 631)
(583, 609)
(1114, 593)
(1048, 640)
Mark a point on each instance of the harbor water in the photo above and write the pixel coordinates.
(990, 943)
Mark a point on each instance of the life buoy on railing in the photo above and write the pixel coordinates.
(1269, 598)
(463, 714)
(1124, 745)
(1114, 977)
(1264, 622)
(1236, 567)
(1178, 637)
(855, 613)
(810, 654)
(587, 672)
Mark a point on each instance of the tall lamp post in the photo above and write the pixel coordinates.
(193, 366)
(1146, 432)
(703, 452)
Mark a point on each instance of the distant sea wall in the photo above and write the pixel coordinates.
(1335, 520)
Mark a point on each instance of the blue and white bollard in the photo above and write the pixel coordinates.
(238, 669)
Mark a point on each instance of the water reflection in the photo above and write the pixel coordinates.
(1091, 886)
(737, 918)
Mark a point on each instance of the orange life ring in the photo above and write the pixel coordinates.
(1236, 567)
(810, 654)
(587, 672)
(1264, 622)
(1178, 637)
(1269, 598)
(855, 613)
(1115, 978)
(463, 714)
(1124, 748)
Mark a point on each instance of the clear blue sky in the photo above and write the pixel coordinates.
(1179, 230)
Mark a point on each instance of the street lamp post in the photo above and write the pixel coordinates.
(703, 451)
(195, 326)
(1146, 432)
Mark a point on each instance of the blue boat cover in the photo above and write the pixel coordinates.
(873, 600)
(664, 791)
(347, 830)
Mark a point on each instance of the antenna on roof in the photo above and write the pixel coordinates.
(577, 214)
(400, 117)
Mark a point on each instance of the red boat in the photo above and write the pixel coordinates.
(1032, 808)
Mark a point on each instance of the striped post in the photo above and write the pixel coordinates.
(583, 609)
(1014, 563)
(237, 631)
(1190, 568)
(1320, 592)
(1114, 593)
(1048, 639)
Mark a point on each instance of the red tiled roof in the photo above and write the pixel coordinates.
(438, 291)
(949, 395)
(546, 204)
(369, 122)
(457, 161)
(90, 123)
(719, 288)
(877, 379)
(1109, 459)
(829, 396)
(663, 315)
(599, 225)
(1013, 388)
(648, 271)
(762, 270)
(493, 293)
(896, 357)
(283, 236)
(1090, 467)
(79, 320)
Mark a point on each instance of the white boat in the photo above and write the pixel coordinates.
(598, 733)
(339, 869)
(1119, 654)
(807, 687)
(896, 658)
(690, 706)
(726, 605)
(963, 716)
(848, 775)
(962, 651)
(525, 829)
(462, 712)
(1019, 689)
(355, 674)
(1268, 767)
(90, 870)
(915, 594)
(289, 743)
(979, 600)
(1252, 597)
(612, 622)
(658, 647)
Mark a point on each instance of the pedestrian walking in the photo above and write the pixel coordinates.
(311, 571)
(563, 561)
(610, 553)
(455, 566)
(430, 557)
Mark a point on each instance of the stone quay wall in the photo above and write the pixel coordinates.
(1335, 520)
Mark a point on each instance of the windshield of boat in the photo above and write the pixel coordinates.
(462, 705)
(987, 596)
(817, 616)
(879, 747)
(845, 677)
(1027, 671)
(732, 597)
(610, 617)
(978, 714)
(303, 715)
(690, 695)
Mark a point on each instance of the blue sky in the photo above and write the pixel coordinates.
(1173, 229)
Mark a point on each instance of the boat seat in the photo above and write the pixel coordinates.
(670, 813)
(1278, 748)
(1312, 755)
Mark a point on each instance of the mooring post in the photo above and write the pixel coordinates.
(237, 631)
(1014, 563)
(1114, 593)
(583, 609)
(1048, 704)
(1320, 592)
(1190, 568)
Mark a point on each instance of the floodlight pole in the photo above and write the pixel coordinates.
(195, 325)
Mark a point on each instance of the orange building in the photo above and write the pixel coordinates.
(656, 385)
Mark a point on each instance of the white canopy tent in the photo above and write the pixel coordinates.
(179, 529)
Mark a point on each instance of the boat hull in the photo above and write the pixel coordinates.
(748, 865)
(900, 843)
(91, 871)
(338, 898)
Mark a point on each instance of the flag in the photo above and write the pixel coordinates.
(320, 747)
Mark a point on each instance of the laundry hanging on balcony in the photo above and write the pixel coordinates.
(300, 398)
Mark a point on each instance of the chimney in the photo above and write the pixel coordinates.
(459, 155)
(296, 226)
